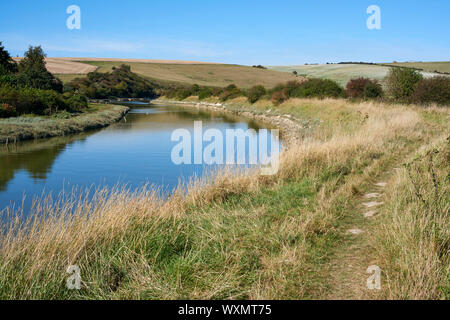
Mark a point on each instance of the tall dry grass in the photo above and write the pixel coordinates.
(413, 238)
(230, 238)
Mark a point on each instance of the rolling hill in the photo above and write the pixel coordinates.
(342, 73)
(172, 71)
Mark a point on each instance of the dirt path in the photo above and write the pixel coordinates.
(347, 269)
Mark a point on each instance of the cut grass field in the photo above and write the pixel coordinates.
(64, 66)
(35, 127)
(246, 236)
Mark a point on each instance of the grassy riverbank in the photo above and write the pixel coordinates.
(258, 237)
(36, 127)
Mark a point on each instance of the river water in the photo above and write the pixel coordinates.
(135, 151)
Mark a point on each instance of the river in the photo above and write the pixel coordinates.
(135, 151)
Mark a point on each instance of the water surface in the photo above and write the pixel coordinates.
(135, 151)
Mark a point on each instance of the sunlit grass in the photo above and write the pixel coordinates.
(241, 236)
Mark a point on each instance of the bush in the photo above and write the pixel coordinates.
(373, 90)
(30, 100)
(183, 94)
(230, 92)
(280, 96)
(75, 102)
(355, 87)
(363, 88)
(402, 83)
(433, 90)
(255, 93)
(320, 88)
(7, 111)
(204, 93)
(121, 82)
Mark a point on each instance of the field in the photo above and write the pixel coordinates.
(305, 233)
(219, 75)
(63, 66)
(341, 73)
(167, 71)
(443, 66)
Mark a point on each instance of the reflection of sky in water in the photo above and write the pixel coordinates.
(135, 151)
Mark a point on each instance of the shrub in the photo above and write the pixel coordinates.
(195, 89)
(75, 102)
(280, 96)
(121, 82)
(230, 92)
(7, 111)
(436, 89)
(255, 93)
(204, 93)
(183, 93)
(402, 82)
(30, 100)
(318, 88)
(363, 88)
(355, 87)
(373, 90)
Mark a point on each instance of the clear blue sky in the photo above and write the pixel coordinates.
(281, 32)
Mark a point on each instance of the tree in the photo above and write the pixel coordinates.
(34, 74)
(7, 64)
(402, 82)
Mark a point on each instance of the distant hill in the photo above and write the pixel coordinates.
(342, 73)
(440, 66)
(218, 75)
(172, 71)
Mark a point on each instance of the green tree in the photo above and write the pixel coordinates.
(34, 74)
(402, 82)
(7, 64)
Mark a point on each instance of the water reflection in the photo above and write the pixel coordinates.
(134, 151)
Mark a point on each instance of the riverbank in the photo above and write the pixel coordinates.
(290, 127)
(303, 233)
(37, 127)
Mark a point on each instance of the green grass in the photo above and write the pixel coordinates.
(34, 127)
(218, 75)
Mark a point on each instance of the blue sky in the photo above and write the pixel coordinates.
(282, 32)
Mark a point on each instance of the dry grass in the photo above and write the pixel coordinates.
(240, 236)
(412, 241)
(64, 66)
(218, 75)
